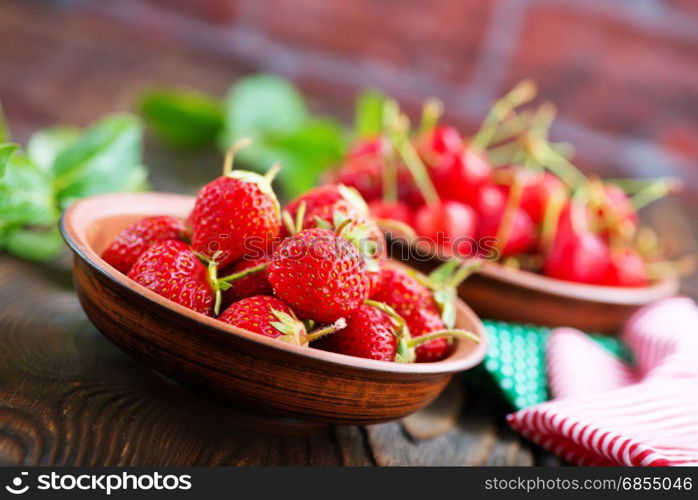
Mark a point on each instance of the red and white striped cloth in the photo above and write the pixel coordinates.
(606, 413)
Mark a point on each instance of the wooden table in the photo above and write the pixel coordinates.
(69, 397)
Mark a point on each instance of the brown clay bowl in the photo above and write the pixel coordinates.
(232, 364)
(501, 293)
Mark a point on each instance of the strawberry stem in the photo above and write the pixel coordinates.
(230, 154)
(459, 334)
(465, 270)
(381, 306)
(243, 273)
(272, 172)
(342, 227)
(321, 332)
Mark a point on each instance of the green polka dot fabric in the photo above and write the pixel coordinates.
(514, 365)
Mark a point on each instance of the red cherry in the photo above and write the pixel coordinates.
(580, 257)
(620, 203)
(398, 210)
(447, 223)
(626, 267)
(459, 176)
(538, 192)
(490, 199)
(444, 139)
(521, 236)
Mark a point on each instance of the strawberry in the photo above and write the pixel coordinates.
(273, 318)
(423, 321)
(131, 242)
(376, 331)
(246, 278)
(320, 274)
(410, 291)
(322, 204)
(170, 268)
(234, 211)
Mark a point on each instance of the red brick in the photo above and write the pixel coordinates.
(213, 11)
(440, 38)
(607, 74)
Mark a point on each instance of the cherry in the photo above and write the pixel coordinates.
(580, 257)
(626, 267)
(459, 176)
(447, 223)
(521, 236)
(620, 204)
(398, 210)
(443, 139)
(490, 198)
(538, 192)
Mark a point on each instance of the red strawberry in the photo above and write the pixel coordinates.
(321, 275)
(273, 318)
(171, 269)
(400, 291)
(234, 211)
(422, 321)
(375, 331)
(246, 278)
(370, 334)
(131, 242)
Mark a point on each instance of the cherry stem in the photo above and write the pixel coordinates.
(577, 206)
(340, 324)
(551, 219)
(397, 226)
(508, 217)
(459, 334)
(244, 273)
(431, 113)
(230, 154)
(522, 93)
(389, 172)
(397, 127)
(654, 191)
(632, 186)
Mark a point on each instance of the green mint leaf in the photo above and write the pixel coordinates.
(106, 158)
(4, 128)
(26, 195)
(39, 245)
(368, 116)
(260, 106)
(182, 117)
(45, 145)
(6, 151)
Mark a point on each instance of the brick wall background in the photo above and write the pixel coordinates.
(624, 73)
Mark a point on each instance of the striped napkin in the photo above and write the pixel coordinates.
(605, 412)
